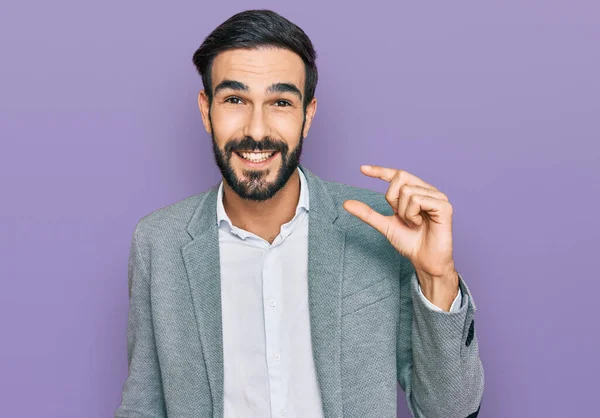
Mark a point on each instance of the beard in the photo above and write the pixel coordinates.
(253, 185)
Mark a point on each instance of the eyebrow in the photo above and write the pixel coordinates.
(273, 88)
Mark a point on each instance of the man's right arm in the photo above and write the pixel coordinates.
(142, 393)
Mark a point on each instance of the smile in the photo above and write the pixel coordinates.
(256, 157)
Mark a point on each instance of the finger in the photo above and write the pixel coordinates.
(389, 174)
(383, 173)
(437, 209)
(368, 215)
(407, 191)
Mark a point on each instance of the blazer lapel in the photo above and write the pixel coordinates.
(201, 258)
(325, 271)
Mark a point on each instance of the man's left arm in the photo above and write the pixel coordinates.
(438, 366)
(446, 373)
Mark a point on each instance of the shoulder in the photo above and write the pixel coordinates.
(341, 192)
(358, 233)
(362, 241)
(170, 221)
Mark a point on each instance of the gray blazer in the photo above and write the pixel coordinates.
(369, 328)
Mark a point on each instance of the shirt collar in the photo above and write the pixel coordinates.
(303, 201)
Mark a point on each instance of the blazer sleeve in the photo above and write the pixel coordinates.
(438, 361)
(142, 395)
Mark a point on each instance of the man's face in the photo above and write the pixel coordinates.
(256, 120)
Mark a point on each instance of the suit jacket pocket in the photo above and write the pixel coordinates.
(367, 296)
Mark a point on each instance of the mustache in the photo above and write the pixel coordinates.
(249, 144)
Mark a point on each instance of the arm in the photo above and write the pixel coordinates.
(142, 393)
(438, 361)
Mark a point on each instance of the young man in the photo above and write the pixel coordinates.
(278, 294)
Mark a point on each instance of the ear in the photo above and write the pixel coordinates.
(204, 109)
(311, 109)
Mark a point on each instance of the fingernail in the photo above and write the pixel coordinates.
(366, 166)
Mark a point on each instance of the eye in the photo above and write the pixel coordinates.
(282, 103)
(229, 100)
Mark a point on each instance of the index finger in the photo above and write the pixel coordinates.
(388, 174)
(376, 171)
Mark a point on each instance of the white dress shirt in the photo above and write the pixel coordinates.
(269, 369)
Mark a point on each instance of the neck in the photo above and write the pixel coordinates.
(266, 217)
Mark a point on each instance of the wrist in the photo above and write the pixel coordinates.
(439, 290)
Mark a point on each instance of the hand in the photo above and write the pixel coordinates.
(420, 228)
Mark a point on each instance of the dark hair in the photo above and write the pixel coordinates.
(253, 29)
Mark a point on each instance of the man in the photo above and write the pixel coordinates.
(278, 294)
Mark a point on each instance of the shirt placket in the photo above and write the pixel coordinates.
(273, 322)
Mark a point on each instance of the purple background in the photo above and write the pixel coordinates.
(495, 103)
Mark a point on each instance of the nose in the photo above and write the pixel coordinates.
(256, 125)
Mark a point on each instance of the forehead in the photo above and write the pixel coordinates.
(259, 67)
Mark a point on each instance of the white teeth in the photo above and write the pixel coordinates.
(256, 157)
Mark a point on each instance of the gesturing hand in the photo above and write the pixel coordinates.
(420, 228)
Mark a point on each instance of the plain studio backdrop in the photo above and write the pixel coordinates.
(495, 103)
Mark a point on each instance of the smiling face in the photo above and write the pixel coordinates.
(256, 119)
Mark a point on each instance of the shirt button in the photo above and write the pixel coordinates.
(272, 302)
(276, 357)
(282, 412)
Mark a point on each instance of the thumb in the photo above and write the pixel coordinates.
(367, 215)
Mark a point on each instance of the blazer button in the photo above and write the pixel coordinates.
(471, 333)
